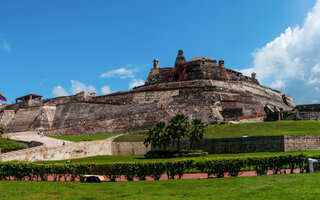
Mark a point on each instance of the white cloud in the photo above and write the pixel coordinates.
(77, 87)
(105, 90)
(5, 46)
(128, 71)
(292, 60)
(278, 84)
(135, 83)
(122, 73)
(59, 91)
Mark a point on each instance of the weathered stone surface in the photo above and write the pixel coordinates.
(207, 91)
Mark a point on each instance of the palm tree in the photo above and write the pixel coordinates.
(178, 128)
(158, 136)
(197, 131)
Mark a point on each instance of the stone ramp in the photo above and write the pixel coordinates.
(33, 136)
(70, 150)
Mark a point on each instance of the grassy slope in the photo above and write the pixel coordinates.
(140, 158)
(7, 145)
(264, 129)
(289, 186)
(84, 137)
(250, 129)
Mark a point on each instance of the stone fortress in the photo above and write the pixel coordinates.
(198, 88)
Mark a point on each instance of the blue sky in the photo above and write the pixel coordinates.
(58, 47)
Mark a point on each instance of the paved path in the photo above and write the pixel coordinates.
(33, 136)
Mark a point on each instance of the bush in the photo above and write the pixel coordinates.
(218, 167)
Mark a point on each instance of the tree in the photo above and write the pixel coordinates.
(158, 136)
(2, 129)
(197, 131)
(178, 128)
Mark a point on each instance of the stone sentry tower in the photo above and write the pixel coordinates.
(179, 71)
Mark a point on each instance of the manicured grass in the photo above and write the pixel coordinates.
(288, 186)
(7, 145)
(130, 138)
(141, 158)
(84, 137)
(264, 129)
(249, 129)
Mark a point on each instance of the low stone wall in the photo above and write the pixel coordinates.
(71, 151)
(129, 148)
(302, 142)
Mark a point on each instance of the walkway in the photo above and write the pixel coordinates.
(33, 136)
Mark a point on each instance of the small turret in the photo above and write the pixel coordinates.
(253, 75)
(221, 63)
(155, 63)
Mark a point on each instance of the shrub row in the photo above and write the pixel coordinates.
(218, 167)
(175, 153)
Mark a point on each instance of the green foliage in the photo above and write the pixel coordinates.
(178, 128)
(7, 145)
(219, 167)
(161, 135)
(2, 129)
(158, 136)
(197, 131)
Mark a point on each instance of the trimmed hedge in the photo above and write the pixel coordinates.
(218, 167)
(175, 154)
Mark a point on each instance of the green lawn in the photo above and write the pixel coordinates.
(7, 145)
(84, 137)
(264, 129)
(141, 158)
(289, 186)
(130, 138)
(249, 129)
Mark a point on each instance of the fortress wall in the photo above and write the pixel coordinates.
(156, 75)
(44, 120)
(140, 121)
(24, 119)
(6, 116)
(119, 98)
(68, 115)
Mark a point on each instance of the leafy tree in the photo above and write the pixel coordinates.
(197, 131)
(178, 128)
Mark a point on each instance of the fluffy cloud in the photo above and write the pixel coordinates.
(122, 73)
(135, 83)
(76, 87)
(59, 91)
(128, 71)
(105, 90)
(291, 62)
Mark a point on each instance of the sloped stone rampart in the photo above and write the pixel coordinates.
(70, 151)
